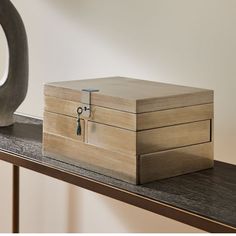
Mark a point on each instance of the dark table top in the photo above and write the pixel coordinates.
(209, 193)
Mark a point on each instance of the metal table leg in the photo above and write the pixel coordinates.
(15, 199)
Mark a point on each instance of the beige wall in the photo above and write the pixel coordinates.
(190, 42)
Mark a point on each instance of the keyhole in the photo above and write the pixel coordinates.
(4, 57)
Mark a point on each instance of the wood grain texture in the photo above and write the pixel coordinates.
(126, 141)
(179, 100)
(204, 199)
(110, 163)
(102, 115)
(111, 138)
(116, 103)
(149, 120)
(131, 95)
(63, 126)
(165, 138)
(175, 162)
(126, 120)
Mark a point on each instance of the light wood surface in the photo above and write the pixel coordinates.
(155, 123)
(142, 121)
(63, 125)
(175, 116)
(110, 163)
(102, 115)
(126, 141)
(180, 100)
(175, 162)
(113, 151)
(148, 141)
(160, 139)
(131, 95)
(112, 138)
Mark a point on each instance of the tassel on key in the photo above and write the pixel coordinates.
(78, 127)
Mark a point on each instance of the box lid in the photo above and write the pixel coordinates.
(130, 95)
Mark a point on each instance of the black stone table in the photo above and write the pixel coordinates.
(205, 199)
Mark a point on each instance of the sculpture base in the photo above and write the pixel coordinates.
(6, 120)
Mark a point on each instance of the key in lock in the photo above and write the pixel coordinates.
(79, 113)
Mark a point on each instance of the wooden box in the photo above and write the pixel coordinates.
(134, 130)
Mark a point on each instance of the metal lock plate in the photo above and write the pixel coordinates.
(86, 101)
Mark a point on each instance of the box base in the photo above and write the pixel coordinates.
(132, 169)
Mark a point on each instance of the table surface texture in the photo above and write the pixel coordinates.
(209, 193)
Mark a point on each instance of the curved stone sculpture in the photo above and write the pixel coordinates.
(13, 91)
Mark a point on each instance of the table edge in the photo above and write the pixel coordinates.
(125, 196)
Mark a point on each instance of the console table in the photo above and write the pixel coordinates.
(205, 199)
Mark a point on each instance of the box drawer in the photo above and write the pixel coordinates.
(63, 126)
(175, 162)
(126, 141)
(132, 121)
(148, 141)
(103, 115)
(107, 162)
(165, 138)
